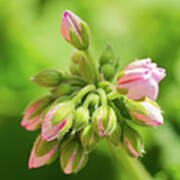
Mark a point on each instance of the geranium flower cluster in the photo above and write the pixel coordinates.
(91, 103)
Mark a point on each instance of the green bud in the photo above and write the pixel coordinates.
(104, 120)
(108, 70)
(86, 71)
(73, 158)
(107, 86)
(66, 109)
(81, 118)
(132, 142)
(77, 56)
(40, 104)
(48, 78)
(115, 137)
(89, 138)
(62, 90)
(74, 69)
(107, 55)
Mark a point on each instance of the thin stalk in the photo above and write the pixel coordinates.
(83, 92)
(93, 65)
(131, 167)
(102, 96)
(75, 78)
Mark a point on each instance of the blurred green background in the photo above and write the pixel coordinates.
(30, 41)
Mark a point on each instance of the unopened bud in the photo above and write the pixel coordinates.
(51, 131)
(89, 138)
(48, 78)
(108, 70)
(75, 30)
(104, 120)
(73, 158)
(115, 137)
(107, 55)
(81, 118)
(145, 112)
(33, 113)
(132, 142)
(43, 153)
(74, 69)
(66, 109)
(77, 56)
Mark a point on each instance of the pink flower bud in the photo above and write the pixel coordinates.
(141, 78)
(33, 114)
(75, 30)
(70, 21)
(50, 131)
(38, 161)
(34, 123)
(152, 117)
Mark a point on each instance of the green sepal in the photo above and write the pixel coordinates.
(75, 40)
(85, 35)
(108, 70)
(66, 109)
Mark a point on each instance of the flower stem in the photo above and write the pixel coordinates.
(93, 65)
(131, 167)
(102, 96)
(75, 78)
(83, 92)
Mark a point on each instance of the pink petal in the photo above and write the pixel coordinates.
(34, 161)
(138, 64)
(142, 88)
(158, 74)
(133, 75)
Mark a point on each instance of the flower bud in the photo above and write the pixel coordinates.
(132, 142)
(85, 70)
(32, 117)
(73, 158)
(50, 131)
(62, 90)
(108, 70)
(115, 137)
(65, 110)
(81, 118)
(145, 112)
(48, 78)
(104, 120)
(89, 138)
(77, 56)
(107, 55)
(75, 31)
(43, 153)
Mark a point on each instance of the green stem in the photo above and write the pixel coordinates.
(131, 167)
(102, 96)
(83, 92)
(75, 78)
(93, 65)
